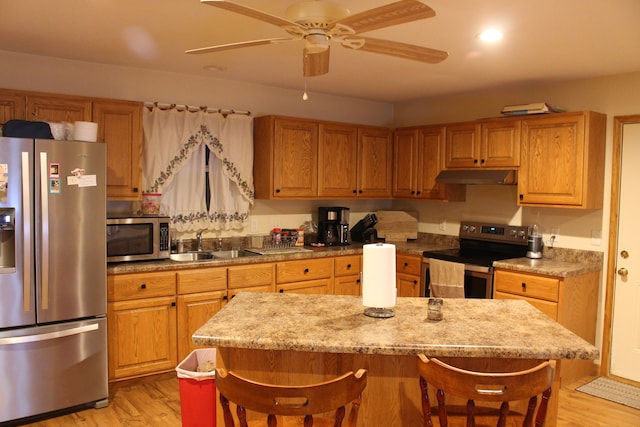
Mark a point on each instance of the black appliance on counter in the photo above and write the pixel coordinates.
(333, 226)
(480, 245)
(364, 231)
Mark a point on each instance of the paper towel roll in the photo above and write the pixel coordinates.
(85, 131)
(379, 275)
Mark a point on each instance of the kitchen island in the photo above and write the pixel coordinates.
(297, 339)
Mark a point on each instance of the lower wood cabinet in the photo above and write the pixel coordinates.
(408, 275)
(571, 301)
(347, 279)
(141, 316)
(309, 276)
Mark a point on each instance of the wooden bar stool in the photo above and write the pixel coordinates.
(296, 404)
(501, 387)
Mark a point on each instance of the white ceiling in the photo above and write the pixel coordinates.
(545, 40)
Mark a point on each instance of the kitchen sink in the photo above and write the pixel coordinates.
(192, 256)
(234, 253)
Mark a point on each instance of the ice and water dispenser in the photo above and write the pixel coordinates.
(7, 240)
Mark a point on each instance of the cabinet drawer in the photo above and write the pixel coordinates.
(527, 285)
(140, 285)
(408, 264)
(348, 265)
(306, 269)
(251, 275)
(202, 280)
(310, 287)
(547, 307)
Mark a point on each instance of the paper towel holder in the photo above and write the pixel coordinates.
(379, 312)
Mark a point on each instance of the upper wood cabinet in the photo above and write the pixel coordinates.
(375, 154)
(338, 161)
(285, 163)
(12, 105)
(418, 157)
(562, 160)
(58, 108)
(307, 159)
(491, 143)
(120, 127)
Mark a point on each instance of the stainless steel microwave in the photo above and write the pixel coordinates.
(137, 238)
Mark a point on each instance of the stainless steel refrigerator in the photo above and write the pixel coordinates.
(53, 327)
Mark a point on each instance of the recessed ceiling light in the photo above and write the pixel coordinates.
(491, 35)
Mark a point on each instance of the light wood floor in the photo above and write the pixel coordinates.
(155, 402)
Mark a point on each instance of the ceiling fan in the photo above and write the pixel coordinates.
(319, 21)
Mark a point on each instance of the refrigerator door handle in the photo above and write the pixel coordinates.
(44, 206)
(27, 261)
(49, 335)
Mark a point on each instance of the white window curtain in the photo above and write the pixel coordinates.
(173, 162)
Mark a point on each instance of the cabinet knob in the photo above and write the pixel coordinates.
(524, 286)
(348, 266)
(521, 197)
(277, 190)
(355, 191)
(306, 270)
(360, 191)
(623, 272)
(143, 286)
(281, 291)
(406, 264)
(135, 189)
(418, 192)
(173, 304)
(226, 297)
(413, 192)
(475, 161)
(482, 161)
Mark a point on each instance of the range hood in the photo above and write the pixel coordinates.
(477, 176)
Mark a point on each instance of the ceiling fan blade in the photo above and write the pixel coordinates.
(253, 13)
(315, 63)
(401, 50)
(385, 16)
(237, 45)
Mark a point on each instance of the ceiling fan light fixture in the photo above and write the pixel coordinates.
(317, 43)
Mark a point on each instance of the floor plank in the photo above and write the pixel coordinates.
(155, 402)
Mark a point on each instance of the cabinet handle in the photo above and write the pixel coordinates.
(358, 281)
(413, 192)
(418, 192)
(355, 191)
(475, 161)
(406, 264)
(143, 286)
(360, 191)
(306, 270)
(348, 266)
(281, 291)
(522, 197)
(226, 297)
(135, 189)
(277, 190)
(524, 286)
(173, 304)
(482, 161)
(415, 282)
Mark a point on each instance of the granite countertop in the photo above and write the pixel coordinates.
(336, 324)
(550, 267)
(414, 248)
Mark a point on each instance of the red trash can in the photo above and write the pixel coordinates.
(197, 389)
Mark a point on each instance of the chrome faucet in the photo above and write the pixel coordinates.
(219, 243)
(199, 241)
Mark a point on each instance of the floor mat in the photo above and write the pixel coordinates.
(614, 391)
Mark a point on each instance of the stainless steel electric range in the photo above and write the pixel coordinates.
(480, 245)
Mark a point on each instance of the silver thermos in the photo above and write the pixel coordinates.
(534, 242)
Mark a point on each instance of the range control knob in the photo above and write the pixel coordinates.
(465, 228)
(472, 228)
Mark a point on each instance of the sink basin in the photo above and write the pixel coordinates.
(192, 256)
(234, 253)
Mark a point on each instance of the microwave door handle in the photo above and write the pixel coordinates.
(44, 235)
(26, 233)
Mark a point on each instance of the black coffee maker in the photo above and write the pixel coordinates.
(333, 226)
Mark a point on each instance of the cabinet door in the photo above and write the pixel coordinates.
(408, 285)
(315, 287)
(430, 163)
(405, 163)
(347, 285)
(12, 106)
(500, 145)
(142, 336)
(337, 161)
(552, 160)
(120, 127)
(295, 163)
(462, 146)
(58, 108)
(374, 166)
(193, 311)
